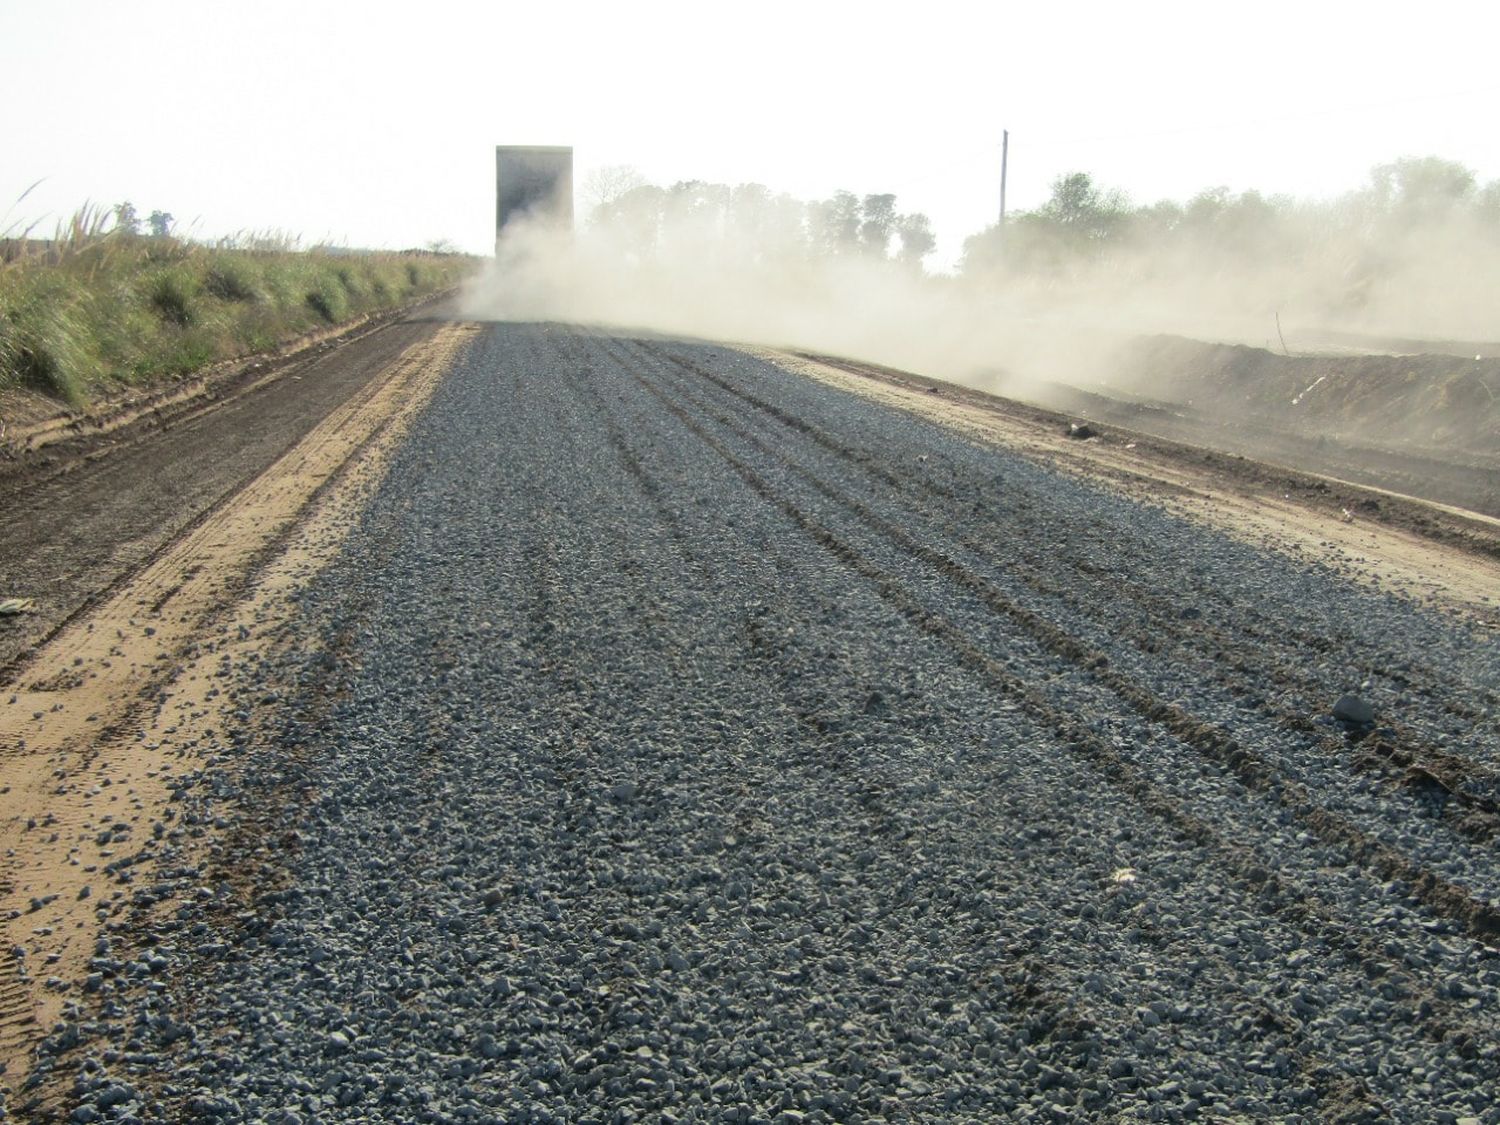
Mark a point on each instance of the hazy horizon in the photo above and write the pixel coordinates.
(369, 127)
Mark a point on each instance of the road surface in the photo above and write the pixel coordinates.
(677, 737)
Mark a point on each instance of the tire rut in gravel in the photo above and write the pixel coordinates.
(1257, 774)
(1402, 756)
(1194, 829)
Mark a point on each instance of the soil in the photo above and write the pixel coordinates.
(1423, 424)
(85, 500)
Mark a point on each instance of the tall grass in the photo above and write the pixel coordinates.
(95, 309)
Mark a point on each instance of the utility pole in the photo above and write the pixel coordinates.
(1004, 163)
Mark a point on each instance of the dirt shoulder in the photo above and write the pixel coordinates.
(111, 721)
(88, 501)
(1438, 555)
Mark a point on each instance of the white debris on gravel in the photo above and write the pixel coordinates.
(695, 792)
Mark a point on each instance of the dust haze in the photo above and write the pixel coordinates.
(1409, 261)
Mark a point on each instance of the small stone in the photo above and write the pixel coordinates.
(114, 1094)
(1353, 709)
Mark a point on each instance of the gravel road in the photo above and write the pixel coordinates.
(681, 739)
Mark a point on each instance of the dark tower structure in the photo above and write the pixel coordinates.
(534, 181)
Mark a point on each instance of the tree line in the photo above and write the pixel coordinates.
(751, 221)
(1084, 224)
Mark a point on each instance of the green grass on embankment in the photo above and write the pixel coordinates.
(95, 311)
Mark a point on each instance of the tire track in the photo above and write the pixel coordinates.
(1044, 996)
(118, 685)
(1287, 634)
(1049, 1007)
(1260, 776)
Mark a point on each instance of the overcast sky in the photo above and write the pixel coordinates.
(374, 124)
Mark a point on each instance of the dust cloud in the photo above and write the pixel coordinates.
(722, 287)
(1411, 257)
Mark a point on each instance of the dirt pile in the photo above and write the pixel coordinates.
(1425, 425)
(1428, 400)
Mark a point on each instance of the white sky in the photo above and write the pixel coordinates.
(375, 124)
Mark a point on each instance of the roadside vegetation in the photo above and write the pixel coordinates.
(105, 305)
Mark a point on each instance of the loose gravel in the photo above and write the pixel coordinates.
(680, 739)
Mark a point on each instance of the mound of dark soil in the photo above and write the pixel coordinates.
(1432, 401)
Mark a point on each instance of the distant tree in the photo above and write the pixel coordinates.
(877, 224)
(834, 224)
(1216, 218)
(1204, 208)
(1159, 220)
(442, 246)
(765, 227)
(1417, 187)
(126, 219)
(917, 239)
(604, 186)
(984, 253)
(748, 211)
(160, 223)
(1077, 222)
(1487, 203)
(1078, 207)
(701, 200)
(637, 218)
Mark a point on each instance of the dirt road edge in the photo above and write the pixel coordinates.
(121, 709)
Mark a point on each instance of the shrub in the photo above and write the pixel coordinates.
(231, 281)
(51, 359)
(171, 295)
(328, 303)
(41, 370)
